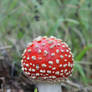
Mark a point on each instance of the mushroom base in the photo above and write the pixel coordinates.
(49, 87)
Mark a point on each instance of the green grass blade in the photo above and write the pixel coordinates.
(80, 69)
(35, 90)
(54, 28)
(83, 52)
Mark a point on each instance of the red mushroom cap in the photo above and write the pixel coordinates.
(47, 59)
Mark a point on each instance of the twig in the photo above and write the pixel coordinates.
(72, 84)
(6, 47)
(78, 86)
(1, 57)
(74, 6)
(83, 62)
(3, 84)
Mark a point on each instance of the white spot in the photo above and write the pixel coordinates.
(52, 37)
(52, 46)
(52, 54)
(69, 56)
(21, 61)
(67, 50)
(54, 68)
(44, 36)
(33, 70)
(48, 71)
(25, 69)
(33, 65)
(65, 60)
(60, 65)
(62, 50)
(40, 58)
(44, 65)
(49, 76)
(43, 44)
(63, 46)
(64, 65)
(46, 52)
(50, 41)
(30, 63)
(38, 38)
(70, 74)
(39, 51)
(57, 61)
(33, 57)
(61, 74)
(69, 64)
(30, 44)
(57, 73)
(66, 55)
(28, 58)
(29, 50)
(24, 51)
(61, 70)
(33, 77)
(42, 71)
(37, 74)
(70, 52)
(27, 65)
(25, 73)
(28, 73)
(65, 71)
(50, 62)
(37, 66)
(57, 50)
(61, 56)
(36, 46)
(58, 44)
(30, 69)
(53, 77)
(44, 77)
(66, 45)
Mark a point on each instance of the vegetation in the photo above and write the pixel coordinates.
(70, 20)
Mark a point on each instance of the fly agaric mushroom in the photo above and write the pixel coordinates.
(47, 60)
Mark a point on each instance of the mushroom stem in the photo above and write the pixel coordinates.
(49, 87)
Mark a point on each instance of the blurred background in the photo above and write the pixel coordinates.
(23, 20)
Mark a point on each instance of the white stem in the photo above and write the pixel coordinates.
(49, 87)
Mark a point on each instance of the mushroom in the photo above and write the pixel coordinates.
(47, 61)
